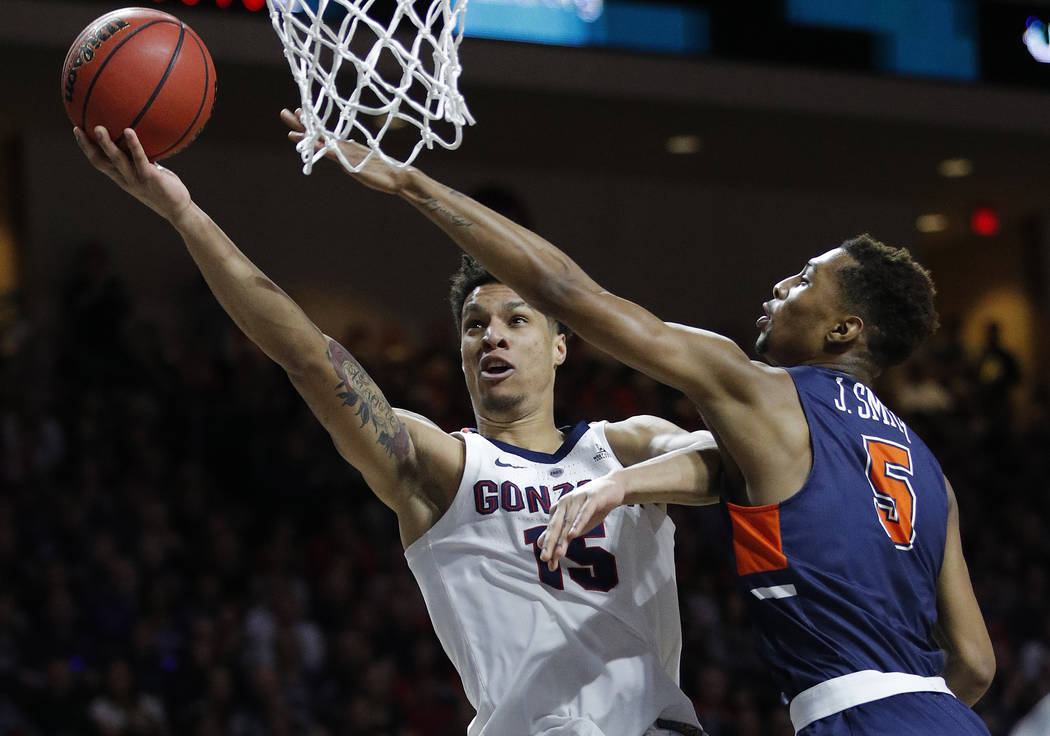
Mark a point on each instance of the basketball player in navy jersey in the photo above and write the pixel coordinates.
(845, 531)
(589, 650)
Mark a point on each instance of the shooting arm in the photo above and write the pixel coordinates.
(261, 309)
(365, 429)
(412, 466)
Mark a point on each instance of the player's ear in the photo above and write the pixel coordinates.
(560, 348)
(845, 331)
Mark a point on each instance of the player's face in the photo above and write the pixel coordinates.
(804, 308)
(509, 352)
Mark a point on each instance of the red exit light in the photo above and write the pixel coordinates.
(984, 221)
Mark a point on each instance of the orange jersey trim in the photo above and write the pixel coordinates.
(756, 538)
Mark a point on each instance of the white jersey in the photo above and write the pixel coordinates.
(591, 649)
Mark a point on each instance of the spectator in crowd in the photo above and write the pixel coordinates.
(998, 373)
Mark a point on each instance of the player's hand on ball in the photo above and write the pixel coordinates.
(377, 174)
(153, 185)
(576, 513)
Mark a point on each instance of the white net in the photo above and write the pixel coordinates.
(367, 69)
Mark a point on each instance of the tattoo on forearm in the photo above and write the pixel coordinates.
(357, 389)
(436, 207)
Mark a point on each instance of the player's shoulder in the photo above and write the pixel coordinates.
(414, 417)
(440, 457)
(766, 374)
(427, 435)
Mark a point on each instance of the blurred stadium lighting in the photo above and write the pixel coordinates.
(955, 168)
(683, 144)
(931, 223)
(1035, 38)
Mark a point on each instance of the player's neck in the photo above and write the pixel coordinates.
(535, 431)
(853, 366)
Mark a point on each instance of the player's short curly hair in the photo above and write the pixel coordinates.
(893, 294)
(470, 276)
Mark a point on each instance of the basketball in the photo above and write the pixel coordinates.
(144, 69)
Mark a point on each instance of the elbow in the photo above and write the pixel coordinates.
(295, 362)
(974, 676)
(982, 672)
(304, 354)
(557, 286)
(303, 364)
(563, 298)
(982, 665)
(554, 294)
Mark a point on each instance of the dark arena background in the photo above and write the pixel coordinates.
(181, 548)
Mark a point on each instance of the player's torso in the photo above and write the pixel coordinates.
(842, 576)
(537, 648)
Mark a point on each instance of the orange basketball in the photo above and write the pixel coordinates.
(143, 69)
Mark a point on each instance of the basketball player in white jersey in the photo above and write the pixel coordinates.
(589, 649)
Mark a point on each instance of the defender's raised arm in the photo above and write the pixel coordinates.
(554, 284)
(770, 446)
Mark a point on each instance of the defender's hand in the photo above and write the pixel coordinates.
(576, 513)
(377, 174)
(151, 184)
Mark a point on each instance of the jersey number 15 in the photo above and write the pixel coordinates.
(598, 566)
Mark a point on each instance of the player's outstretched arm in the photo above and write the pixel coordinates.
(753, 408)
(681, 468)
(365, 429)
(970, 659)
(265, 313)
(554, 284)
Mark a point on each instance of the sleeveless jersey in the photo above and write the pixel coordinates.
(842, 576)
(591, 649)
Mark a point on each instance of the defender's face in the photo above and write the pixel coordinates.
(509, 351)
(804, 308)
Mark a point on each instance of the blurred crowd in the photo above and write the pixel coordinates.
(183, 551)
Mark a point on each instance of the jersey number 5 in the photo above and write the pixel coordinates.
(598, 571)
(889, 472)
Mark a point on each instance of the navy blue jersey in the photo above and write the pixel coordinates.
(842, 576)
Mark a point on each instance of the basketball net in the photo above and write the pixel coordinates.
(360, 78)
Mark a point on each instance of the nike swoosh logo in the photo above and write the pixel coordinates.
(508, 465)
